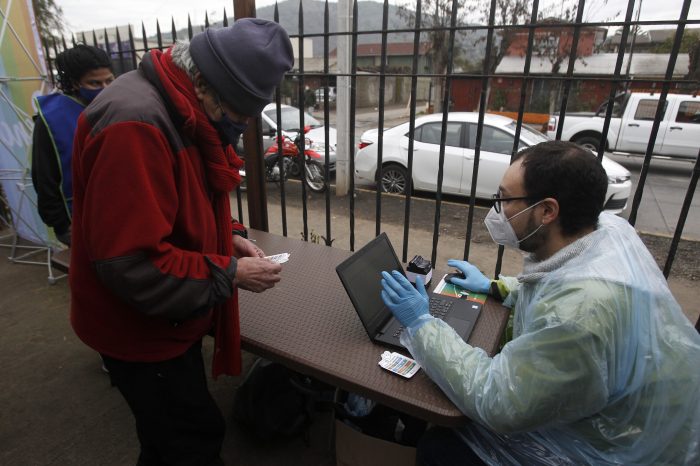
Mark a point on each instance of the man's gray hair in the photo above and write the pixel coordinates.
(183, 59)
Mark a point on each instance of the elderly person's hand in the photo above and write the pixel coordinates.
(408, 304)
(243, 247)
(256, 274)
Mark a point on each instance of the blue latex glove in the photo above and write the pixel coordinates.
(408, 304)
(474, 280)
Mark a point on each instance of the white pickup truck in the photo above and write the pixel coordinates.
(630, 126)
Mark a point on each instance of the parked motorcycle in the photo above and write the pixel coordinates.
(313, 163)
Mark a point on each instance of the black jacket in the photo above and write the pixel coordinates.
(46, 176)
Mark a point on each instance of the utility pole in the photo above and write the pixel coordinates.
(344, 148)
(635, 31)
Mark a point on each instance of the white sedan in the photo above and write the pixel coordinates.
(460, 141)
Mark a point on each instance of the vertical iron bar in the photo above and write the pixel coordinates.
(120, 51)
(353, 99)
(570, 68)
(145, 39)
(446, 93)
(660, 111)
(94, 38)
(226, 18)
(380, 130)
(206, 20)
(132, 47)
(159, 36)
(72, 40)
(84, 39)
(683, 215)
(189, 27)
(280, 148)
(239, 202)
(615, 80)
(49, 63)
(521, 110)
(63, 41)
(108, 49)
(480, 126)
(173, 31)
(326, 127)
(411, 127)
(302, 136)
(55, 54)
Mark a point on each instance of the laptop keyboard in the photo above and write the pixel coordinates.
(437, 307)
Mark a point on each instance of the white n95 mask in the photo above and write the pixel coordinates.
(501, 230)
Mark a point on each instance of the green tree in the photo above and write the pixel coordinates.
(49, 18)
(689, 41)
(690, 44)
(436, 15)
(508, 13)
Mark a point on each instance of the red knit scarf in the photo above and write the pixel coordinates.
(223, 177)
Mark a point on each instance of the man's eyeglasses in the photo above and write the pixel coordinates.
(498, 199)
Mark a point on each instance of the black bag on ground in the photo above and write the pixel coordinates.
(276, 402)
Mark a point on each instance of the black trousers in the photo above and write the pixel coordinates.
(177, 421)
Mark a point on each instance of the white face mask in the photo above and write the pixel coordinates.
(501, 230)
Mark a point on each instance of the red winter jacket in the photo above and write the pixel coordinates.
(144, 270)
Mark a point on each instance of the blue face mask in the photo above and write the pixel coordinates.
(88, 95)
(229, 130)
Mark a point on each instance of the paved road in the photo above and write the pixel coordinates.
(662, 199)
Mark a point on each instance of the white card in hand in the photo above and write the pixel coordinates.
(279, 258)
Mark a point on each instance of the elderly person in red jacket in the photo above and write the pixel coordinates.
(156, 262)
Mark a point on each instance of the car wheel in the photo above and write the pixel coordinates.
(394, 179)
(588, 142)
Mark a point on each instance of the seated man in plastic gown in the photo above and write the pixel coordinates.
(602, 367)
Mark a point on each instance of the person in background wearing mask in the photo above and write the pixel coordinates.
(82, 72)
(156, 261)
(602, 367)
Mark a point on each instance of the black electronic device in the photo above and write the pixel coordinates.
(361, 277)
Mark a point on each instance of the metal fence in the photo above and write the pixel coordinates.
(126, 53)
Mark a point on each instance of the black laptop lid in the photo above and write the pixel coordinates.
(361, 277)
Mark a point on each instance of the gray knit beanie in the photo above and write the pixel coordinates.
(244, 62)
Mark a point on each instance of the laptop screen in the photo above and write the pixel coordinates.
(361, 276)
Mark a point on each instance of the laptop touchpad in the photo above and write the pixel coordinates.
(460, 325)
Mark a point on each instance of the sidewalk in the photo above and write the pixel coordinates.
(58, 407)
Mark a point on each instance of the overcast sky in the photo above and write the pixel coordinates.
(96, 14)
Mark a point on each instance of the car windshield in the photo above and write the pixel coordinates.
(531, 135)
(290, 118)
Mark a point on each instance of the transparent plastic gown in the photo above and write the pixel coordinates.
(603, 367)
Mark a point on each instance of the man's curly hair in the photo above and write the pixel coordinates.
(73, 63)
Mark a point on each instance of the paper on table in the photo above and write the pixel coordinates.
(456, 291)
(279, 258)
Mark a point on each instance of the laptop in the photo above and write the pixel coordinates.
(361, 277)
